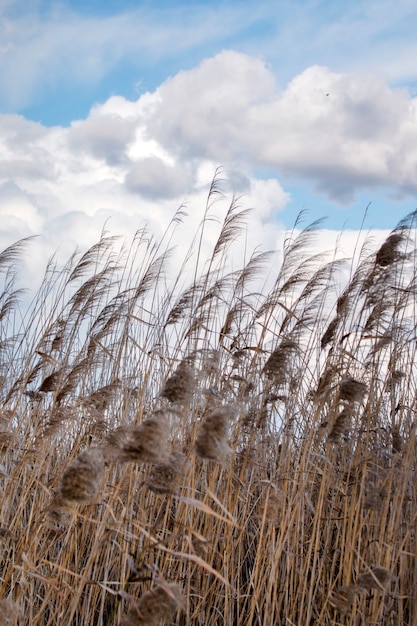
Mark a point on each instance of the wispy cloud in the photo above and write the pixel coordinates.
(48, 48)
(58, 47)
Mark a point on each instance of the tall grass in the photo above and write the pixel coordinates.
(210, 453)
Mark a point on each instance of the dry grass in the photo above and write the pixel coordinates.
(210, 453)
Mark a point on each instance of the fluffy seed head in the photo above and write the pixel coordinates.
(329, 333)
(341, 425)
(81, 479)
(276, 366)
(50, 383)
(114, 442)
(352, 390)
(388, 252)
(155, 606)
(211, 442)
(342, 598)
(397, 440)
(376, 578)
(9, 611)
(179, 387)
(374, 499)
(164, 477)
(58, 515)
(8, 440)
(148, 442)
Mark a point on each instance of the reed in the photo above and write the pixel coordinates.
(210, 453)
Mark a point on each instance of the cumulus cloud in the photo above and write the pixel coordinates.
(343, 132)
(136, 162)
(19, 214)
(102, 136)
(204, 112)
(152, 178)
(49, 48)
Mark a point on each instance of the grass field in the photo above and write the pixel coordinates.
(214, 452)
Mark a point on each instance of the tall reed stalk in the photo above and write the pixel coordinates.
(211, 453)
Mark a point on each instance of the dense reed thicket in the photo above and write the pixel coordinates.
(210, 453)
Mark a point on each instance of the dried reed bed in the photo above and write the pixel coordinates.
(210, 453)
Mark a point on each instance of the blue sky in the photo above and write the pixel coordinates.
(125, 108)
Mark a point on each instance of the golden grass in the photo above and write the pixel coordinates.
(210, 453)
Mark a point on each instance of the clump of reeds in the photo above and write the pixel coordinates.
(211, 442)
(156, 606)
(179, 387)
(82, 478)
(272, 534)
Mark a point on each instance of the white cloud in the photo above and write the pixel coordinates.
(153, 178)
(52, 46)
(344, 132)
(137, 162)
(49, 49)
(19, 215)
(102, 136)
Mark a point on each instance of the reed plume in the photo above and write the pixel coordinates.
(156, 606)
(211, 442)
(82, 478)
(216, 471)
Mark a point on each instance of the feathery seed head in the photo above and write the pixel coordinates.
(276, 366)
(388, 252)
(397, 440)
(58, 515)
(114, 442)
(375, 578)
(394, 379)
(155, 606)
(179, 387)
(342, 598)
(211, 442)
(329, 333)
(8, 440)
(81, 479)
(164, 476)
(341, 425)
(352, 390)
(148, 442)
(9, 611)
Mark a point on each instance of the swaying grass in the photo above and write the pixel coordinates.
(210, 453)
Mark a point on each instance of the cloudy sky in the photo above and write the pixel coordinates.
(122, 111)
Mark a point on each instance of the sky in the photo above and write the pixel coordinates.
(118, 113)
